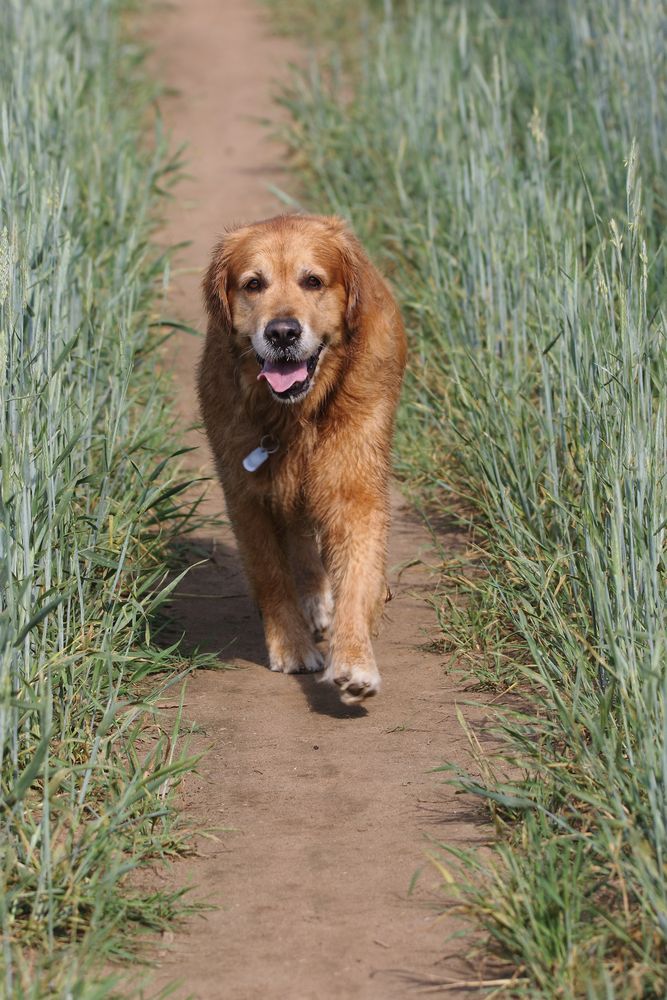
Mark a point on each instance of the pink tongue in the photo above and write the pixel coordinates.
(282, 374)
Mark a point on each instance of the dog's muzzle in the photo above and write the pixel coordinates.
(283, 333)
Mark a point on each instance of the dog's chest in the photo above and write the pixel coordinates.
(283, 479)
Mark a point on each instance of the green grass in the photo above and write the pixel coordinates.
(90, 498)
(506, 163)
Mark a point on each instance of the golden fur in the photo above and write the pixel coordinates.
(311, 522)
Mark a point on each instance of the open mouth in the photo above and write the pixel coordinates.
(287, 379)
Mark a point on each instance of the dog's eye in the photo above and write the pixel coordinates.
(312, 281)
(253, 285)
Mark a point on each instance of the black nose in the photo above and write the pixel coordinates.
(283, 332)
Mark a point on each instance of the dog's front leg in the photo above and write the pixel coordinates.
(288, 640)
(354, 550)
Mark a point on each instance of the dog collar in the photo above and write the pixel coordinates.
(258, 456)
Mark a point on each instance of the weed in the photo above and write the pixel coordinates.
(505, 162)
(90, 497)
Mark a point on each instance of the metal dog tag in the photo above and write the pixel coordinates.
(258, 456)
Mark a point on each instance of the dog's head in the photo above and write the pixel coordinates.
(287, 294)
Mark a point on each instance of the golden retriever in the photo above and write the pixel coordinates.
(298, 383)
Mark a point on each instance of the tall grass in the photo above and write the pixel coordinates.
(87, 499)
(507, 161)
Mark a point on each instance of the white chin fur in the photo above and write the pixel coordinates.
(290, 400)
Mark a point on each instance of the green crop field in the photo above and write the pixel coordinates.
(89, 500)
(507, 162)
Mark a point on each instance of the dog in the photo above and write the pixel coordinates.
(298, 384)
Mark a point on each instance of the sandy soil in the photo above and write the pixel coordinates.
(324, 814)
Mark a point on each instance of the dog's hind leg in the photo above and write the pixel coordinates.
(312, 583)
(261, 544)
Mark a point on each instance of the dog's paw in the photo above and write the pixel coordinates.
(318, 610)
(288, 658)
(355, 681)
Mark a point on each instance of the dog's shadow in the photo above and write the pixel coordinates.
(324, 699)
(211, 612)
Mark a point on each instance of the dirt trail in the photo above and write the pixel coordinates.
(327, 810)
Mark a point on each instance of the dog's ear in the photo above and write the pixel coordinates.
(215, 284)
(356, 272)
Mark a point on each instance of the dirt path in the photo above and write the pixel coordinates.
(327, 810)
